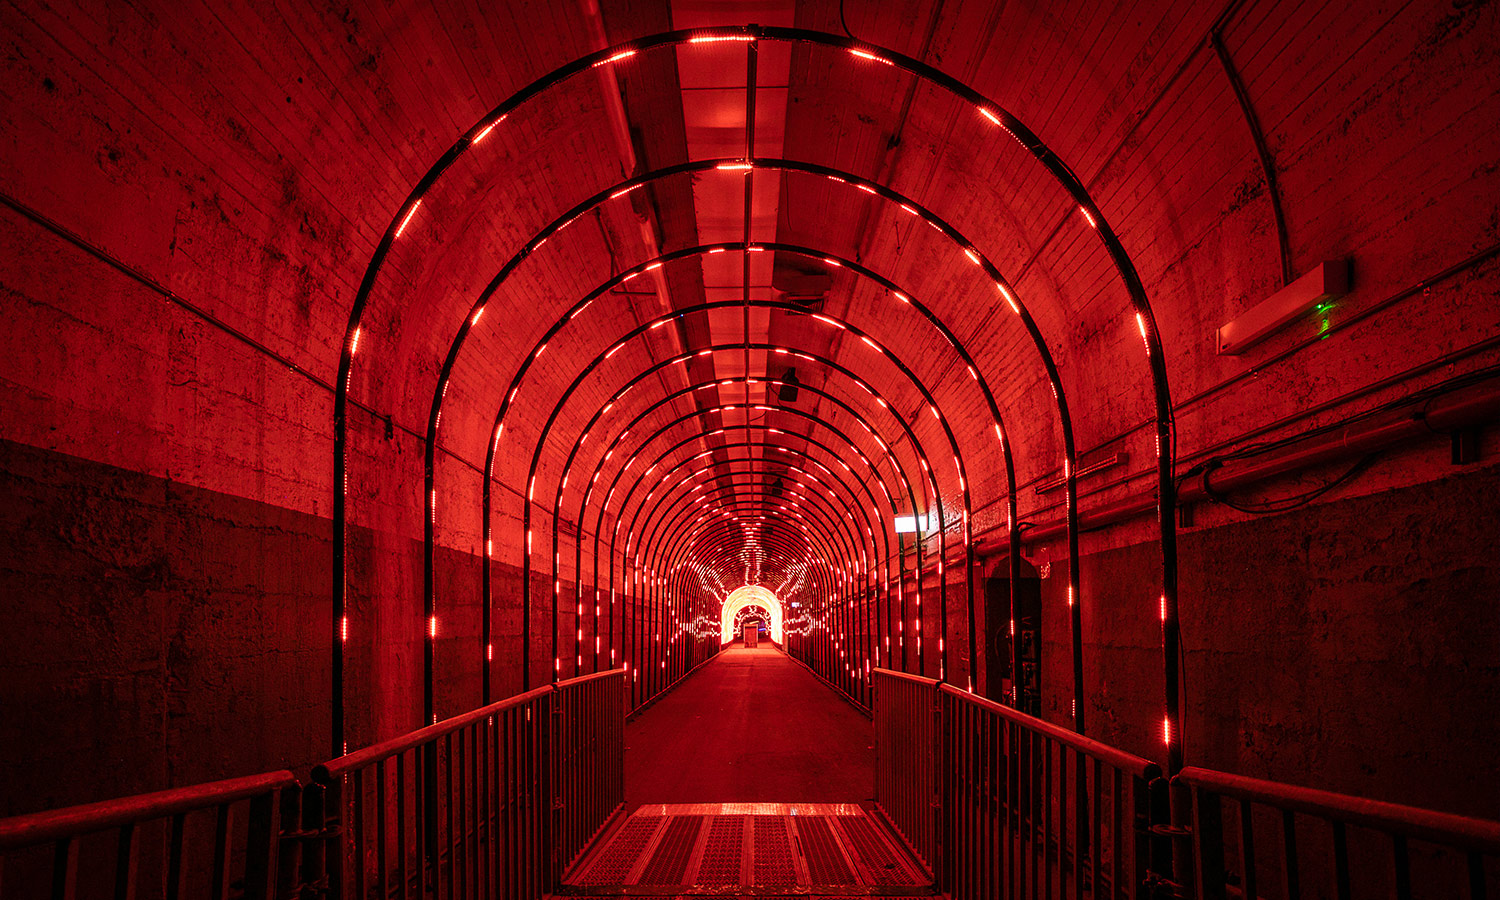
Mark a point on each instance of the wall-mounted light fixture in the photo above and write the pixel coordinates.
(910, 524)
(1329, 281)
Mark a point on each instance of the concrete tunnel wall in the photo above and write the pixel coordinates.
(190, 202)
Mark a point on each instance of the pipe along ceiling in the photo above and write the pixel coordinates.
(670, 412)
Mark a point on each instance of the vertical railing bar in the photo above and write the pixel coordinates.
(503, 838)
(1477, 887)
(1208, 843)
(402, 867)
(473, 799)
(127, 855)
(1063, 810)
(491, 806)
(442, 757)
(1015, 812)
(174, 855)
(967, 794)
(1401, 861)
(458, 856)
(220, 883)
(458, 859)
(262, 846)
(508, 805)
(64, 869)
(1121, 820)
(976, 742)
(1096, 823)
(349, 867)
(1034, 818)
(540, 788)
(1340, 860)
(1247, 848)
(1048, 823)
(478, 806)
(468, 828)
(1289, 854)
(989, 851)
(382, 836)
(1081, 845)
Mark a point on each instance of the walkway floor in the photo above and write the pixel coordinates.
(750, 726)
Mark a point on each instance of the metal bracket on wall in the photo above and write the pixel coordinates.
(1465, 442)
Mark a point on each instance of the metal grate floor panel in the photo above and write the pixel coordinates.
(619, 858)
(774, 866)
(825, 861)
(668, 865)
(698, 849)
(723, 852)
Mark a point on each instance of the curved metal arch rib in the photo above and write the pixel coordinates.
(992, 111)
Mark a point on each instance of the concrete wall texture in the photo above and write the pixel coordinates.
(189, 199)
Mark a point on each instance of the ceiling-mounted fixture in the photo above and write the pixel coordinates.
(787, 393)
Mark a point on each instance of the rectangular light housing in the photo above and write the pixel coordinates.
(1326, 282)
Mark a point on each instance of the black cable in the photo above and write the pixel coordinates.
(1286, 504)
(844, 22)
(1422, 397)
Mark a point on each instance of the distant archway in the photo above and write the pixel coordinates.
(750, 595)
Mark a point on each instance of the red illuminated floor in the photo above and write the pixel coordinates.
(752, 725)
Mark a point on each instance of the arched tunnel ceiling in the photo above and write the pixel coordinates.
(922, 219)
(725, 347)
(623, 273)
(684, 273)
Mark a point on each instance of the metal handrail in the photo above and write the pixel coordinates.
(497, 800)
(1000, 803)
(19, 832)
(907, 676)
(329, 772)
(251, 850)
(1481, 836)
(1477, 835)
(1128, 763)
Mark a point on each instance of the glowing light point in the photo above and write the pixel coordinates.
(623, 54)
(409, 213)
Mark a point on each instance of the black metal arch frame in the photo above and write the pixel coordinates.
(729, 471)
(649, 541)
(992, 111)
(803, 454)
(838, 260)
(899, 472)
(837, 556)
(645, 328)
(684, 483)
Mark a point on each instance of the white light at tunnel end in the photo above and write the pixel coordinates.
(750, 595)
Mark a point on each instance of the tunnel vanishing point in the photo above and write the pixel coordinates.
(750, 448)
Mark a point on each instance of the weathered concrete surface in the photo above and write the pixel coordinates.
(245, 161)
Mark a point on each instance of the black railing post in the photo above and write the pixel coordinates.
(942, 870)
(1207, 843)
(263, 840)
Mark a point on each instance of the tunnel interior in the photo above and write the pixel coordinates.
(1129, 367)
